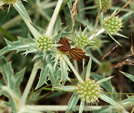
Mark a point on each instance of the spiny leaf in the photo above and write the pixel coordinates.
(21, 9)
(23, 44)
(110, 101)
(72, 103)
(11, 89)
(107, 84)
(64, 70)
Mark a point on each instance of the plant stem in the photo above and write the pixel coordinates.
(35, 68)
(99, 32)
(60, 108)
(29, 84)
(73, 69)
(54, 17)
(31, 28)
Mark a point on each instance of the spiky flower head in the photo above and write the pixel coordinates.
(44, 42)
(113, 25)
(104, 68)
(89, 91)
(9, 1)
(82, 40)
(105, 4)
(96, 44)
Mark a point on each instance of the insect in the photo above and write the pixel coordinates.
(65, 45)
(75, 53)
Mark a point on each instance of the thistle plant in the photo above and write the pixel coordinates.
(112, 26)
(54, 70)
(89, 91)
(105, 4)
(44, 42)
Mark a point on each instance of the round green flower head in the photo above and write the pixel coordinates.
(44, 42)
(89, 91)
(106, 4)
(82, 41)
(9, 1)
(96, 44)
(113, 25)
(104, 68)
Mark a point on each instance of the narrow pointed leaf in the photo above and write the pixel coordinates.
(104, 79)
(43, 77)
(110, 101)
(107, 84)
(64, 71)
(72, 103)
(21, 9)
(131, 77)
(66, 88)
(81, 107)
(88, 68)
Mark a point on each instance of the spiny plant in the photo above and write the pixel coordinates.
(56, 51)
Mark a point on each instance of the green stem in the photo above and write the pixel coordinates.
(35, 68)
(29, 84)
(73, 69)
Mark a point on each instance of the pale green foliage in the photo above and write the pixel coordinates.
(54, 66)
(96, 43)
(12, 83)
(23, 44)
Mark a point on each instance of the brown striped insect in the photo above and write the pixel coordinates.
(75, 53)
(65, 45)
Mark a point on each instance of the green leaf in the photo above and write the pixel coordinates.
(12, 83)
(69, 88)
(23, 44)
(43, 76)
(114, 39)
(21, 9)
(104, 79)
(48, 70)
(131, 77)
(57, 26)
(64, 71)
(6, 33)
(81, 107)
(88, 68)
(128, 100)
(72, 103)
(107, 84)
(110, 101)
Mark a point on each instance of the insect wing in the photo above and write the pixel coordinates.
(77, 53)
(65, 45)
